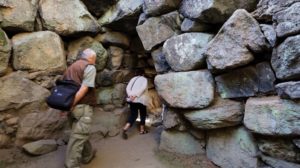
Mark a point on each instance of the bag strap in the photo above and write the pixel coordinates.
(134, 82)
(66, 82)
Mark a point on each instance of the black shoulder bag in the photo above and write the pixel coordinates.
(63, 94)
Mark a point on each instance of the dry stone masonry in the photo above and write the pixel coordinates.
(227, 72)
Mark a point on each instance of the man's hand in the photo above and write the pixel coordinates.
(79, 95)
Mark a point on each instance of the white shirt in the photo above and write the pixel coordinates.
(138, 86)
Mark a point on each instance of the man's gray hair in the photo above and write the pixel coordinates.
(87, 53)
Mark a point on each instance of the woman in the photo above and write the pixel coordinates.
(137, 90)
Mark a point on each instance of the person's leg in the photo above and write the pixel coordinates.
(88, 152)
(79, 135)
(73, 153)
(143, 115)
(132, 117)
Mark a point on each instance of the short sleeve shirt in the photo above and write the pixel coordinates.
(89, 76)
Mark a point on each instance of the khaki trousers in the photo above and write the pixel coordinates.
(79, 148)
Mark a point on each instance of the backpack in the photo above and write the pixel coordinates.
(62, 95)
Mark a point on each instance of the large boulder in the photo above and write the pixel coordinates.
(123, 16)
(193, 89)
(18, 15)
(112, 95)
(171, 119)
(44, 79)
(222, 113)
(114, 38)
(17, 92)
(47, 54)
(156, 30)
(267, 8)
(269, 33)
(160, 63)
(40, 125)
(40, 147)
(241, 32)
(181, 143)
(246, 82)
(5, 50)
(119, 94)
(279, 148)
(156, 8)
(77, 46)
(289, 90)
(189, 25)
(67, 17)
(109, 123)
(115, 57)
(277, 163)
(105, 95)
(214, 11)
(287, 21)
(185, 52)
(232, 147)
(109, 78)
(276, 116)
(266, 77)
(97, 7)
(285, 60)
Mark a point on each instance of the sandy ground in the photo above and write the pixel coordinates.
(139, 151)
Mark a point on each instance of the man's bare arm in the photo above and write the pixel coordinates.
(80, 94)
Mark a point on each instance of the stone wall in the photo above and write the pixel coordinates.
(227, 71)
(38, 40)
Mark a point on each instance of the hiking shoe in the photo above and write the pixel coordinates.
(124, 135)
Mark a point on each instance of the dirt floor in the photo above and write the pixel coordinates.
(139, 151)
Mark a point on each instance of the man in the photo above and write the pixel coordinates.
(137, 92)
(83, 72)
